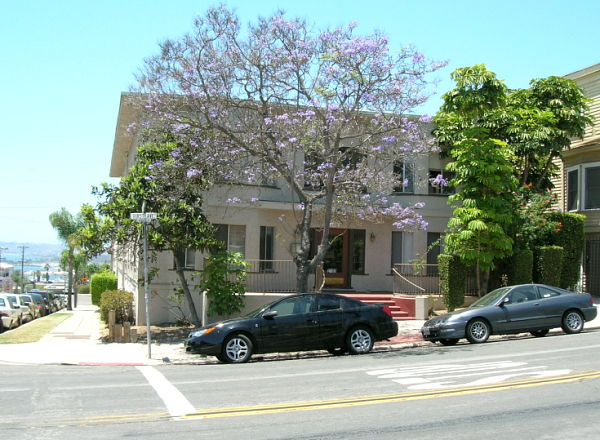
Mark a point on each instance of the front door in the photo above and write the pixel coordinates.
(592, 266)
(336, 264)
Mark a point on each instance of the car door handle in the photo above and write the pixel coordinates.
(312, 321)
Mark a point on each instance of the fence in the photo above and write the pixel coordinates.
(422, 279)
(271, 276)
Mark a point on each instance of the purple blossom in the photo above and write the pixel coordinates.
(233, 200)
(192, 172)
(438, 181)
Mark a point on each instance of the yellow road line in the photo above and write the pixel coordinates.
(387, 398)
(312, 405)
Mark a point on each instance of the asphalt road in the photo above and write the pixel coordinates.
(538, 388)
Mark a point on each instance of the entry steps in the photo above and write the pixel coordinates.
(399, 313)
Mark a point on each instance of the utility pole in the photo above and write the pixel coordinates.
(22, 263)
(2, 284)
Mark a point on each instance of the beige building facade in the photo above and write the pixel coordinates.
(264, 232)
(579, 188)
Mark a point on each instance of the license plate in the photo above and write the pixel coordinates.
(426, 332)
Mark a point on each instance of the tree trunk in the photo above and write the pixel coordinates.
(186, 289)
(70, 280)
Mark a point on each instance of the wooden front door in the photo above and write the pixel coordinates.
(336, 263)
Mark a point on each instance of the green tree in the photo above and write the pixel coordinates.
(483, 206)
(67, 225)
(538, 123)
(174, 196)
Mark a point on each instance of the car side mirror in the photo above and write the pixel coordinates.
(505, 300)
(270, 314)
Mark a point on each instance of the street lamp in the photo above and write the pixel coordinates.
(144, 218)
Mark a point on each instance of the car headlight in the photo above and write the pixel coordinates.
(199, 333)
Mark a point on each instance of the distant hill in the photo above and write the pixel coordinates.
(11, 253)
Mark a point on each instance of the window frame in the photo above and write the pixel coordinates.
(577, 198)
(407, 166)
(441, 190)
(584, 186)
(266, 252)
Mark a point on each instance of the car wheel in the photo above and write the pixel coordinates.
(478, 331)
(451, 341)
(237, 349)
(572, 322)
(540, 333)
(337, 351)
(359, 340)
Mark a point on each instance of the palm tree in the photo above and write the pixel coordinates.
(67, 225)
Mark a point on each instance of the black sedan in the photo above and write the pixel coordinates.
(534, 308)
(297, 323)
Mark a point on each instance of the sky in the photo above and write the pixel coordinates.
(65, 63)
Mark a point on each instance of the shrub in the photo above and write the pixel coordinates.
(223, 280)
(101, 282)
(83, 289)
(452, 280)
(548, 265)
(570, 236)
(521, 271)
(121, 302)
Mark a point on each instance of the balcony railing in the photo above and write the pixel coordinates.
(271, 276)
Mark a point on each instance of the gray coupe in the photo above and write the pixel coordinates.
(534, 308)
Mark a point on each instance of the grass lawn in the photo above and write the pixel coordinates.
(33, 331)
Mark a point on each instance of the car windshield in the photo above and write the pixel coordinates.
(490, 298)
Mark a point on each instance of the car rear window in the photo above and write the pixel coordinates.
(2, 303)
(547, 293)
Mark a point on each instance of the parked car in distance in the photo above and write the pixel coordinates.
(22, 308)
(533, 308)
(27, 312)
(50, 302)
(9, 312)
(35, 308)
(40, 303)
(297, 323)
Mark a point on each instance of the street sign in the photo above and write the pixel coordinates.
(143, 217)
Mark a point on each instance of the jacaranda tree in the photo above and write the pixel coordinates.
(323, 113)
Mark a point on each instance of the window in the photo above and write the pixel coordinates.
(189, 259)
(293, 306)
(266, 248)
(402, 249)
(327, 302)
(592, 187)
(434, 249)
(396, 247)
(547, 293)
(404, 172)
(523, 294)
(437, 187)
(233, 238)
(357, 251)
(573, 189)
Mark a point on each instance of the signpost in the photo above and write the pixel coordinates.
(144, 218)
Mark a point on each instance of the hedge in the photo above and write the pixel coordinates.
(453, 278)
(521, 271)
(548, 260)
(101, 282)
(121, 302)
(570, 236)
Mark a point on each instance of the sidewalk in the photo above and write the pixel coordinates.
(76, 341)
